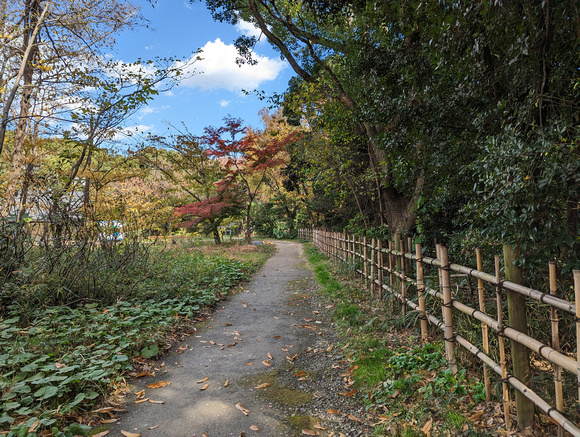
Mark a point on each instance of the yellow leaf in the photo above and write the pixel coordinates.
(158, 384)
(264, 385)
(227, 383)
(205, 386)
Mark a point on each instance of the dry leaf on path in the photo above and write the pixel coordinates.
(354, 418)
(156, 402)
(158, 384)
(140, 401)
(144, 373)
(203, 380)
(333, 411)
(349, 394)
(266, 363)
(299, 374)
(101, 434)
(110, 420)
(240, 407)
(309, 432)
(130, 434)
(319, 426)
(154, 427)
(270, 356)
(103, 410)
(204, 387)
(254, 428)
(264, 385)
(227, 383)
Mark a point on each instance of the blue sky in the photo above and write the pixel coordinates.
(178, 29)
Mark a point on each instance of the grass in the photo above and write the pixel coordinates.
(407, 386)
(58, 363)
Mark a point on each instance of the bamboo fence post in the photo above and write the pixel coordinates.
(517, 320)
(502, 361)
(364, 259)
(577, 298)
(380, 268)
(344, 247)
(391, 299)
(484, 332)
(447, 312)
(421, 291)
(373, 267)
(403, 280)
(556, 345)
(410, 249)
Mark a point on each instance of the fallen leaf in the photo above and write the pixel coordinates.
(270, 356)
(130, 434)
(427, 428)
(330, 348)
(203, 434)
(204, 387)
(333, 411)
(349, 394)
(156, 402)
(228, 324)
(158, 384)
(110, 420)
(264, 385)
(227, 383)
(101, 434)
(154, 427)
(33, 426)
(238, 333)
(233, 344)
(203, 380)
(276, 337)
(308, 327)
(299, 374)
(144, 373)
(319, 426)
(140, 401)
(103, 410)
(245, 304)
(240, 407)
(354, 418)
(140, 394)
(249, 364)
(254, 428)
(309, 432)
(59, 365)
(266, 363)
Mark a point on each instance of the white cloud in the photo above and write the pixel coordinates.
(218, 69)
(248, 29)
(224, 103)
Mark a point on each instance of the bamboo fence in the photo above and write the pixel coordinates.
(400, 275)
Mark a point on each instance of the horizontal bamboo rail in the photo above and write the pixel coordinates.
(373, 260)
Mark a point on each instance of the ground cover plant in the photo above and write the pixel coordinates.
(408, 390)
(58, 363)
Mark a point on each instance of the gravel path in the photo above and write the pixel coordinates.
(265, 363)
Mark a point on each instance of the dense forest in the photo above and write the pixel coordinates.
(455, 122)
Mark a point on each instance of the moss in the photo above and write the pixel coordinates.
(276, 392)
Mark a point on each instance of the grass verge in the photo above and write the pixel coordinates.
(408, 390)
(59, 363)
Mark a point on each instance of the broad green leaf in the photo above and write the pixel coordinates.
(46, 392)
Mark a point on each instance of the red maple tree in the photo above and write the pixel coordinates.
(246, 156)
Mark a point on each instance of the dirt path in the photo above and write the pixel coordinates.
(275, 335)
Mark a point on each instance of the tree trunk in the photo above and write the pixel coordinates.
(248, 232)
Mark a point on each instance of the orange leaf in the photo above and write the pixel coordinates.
(227, 383)
(249, 364)
(130, 434)
(356, 419)
(264, 385)
(333, 411)
(142, 374)
(140, 401)
(254, 428)
(270, 356)
(156, 402)
(110, 420)
(203, 380)
(330, 348)
(266, 363)
(427, 428)
(158, 384)
(319, 426)
(205, 386)
(350, 393)
(276, 337)
(299, 374)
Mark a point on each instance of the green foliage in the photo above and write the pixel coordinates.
(60, 359)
